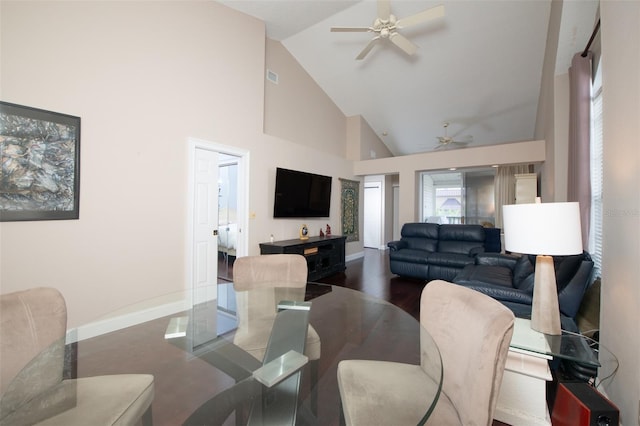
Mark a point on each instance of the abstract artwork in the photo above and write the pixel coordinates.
(349, 202)
(40, 154)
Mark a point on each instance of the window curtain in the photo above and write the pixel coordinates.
(579, 175)
(505, 187)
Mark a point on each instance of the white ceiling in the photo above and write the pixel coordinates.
(478, 68)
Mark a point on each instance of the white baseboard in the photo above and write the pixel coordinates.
(122, 321)
(148, 310)
(354, 256)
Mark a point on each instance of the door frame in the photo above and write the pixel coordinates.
(243, 200)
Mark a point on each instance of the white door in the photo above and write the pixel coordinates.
(372, 215)
(205, 225)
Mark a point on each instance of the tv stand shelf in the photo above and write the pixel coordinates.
(325, 255)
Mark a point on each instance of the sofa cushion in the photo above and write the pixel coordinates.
(480, 274)
(461, 239)
(497, 259)
(450, 259)
(421, 230)
(503, 293)
(421, 236)
(409, 255)
(566, 267)
(521, 271)
(462, 233)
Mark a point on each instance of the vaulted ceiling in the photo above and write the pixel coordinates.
(478, 67)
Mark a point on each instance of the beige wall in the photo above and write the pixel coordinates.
(409, 166)
(620, 299)
(362, 142)
(545, 118)
(561, 139)
(145, 77)
(297, 109)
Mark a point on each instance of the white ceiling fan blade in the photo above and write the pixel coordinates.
(351, 29)
(403, 43)
(384, 10)
(368, 48)
(418, 18)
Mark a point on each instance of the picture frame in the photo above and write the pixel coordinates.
(40, 159)
(349, 209)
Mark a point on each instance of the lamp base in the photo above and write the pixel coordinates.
(545, 312)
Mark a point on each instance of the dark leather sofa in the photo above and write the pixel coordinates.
(509, 279)
(431, 251)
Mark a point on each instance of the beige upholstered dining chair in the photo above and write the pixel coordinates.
(33, 325)
(472, 332)
(287, 273)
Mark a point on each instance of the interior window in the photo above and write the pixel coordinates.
(458, 197)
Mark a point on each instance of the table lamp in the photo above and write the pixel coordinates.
(545, 230)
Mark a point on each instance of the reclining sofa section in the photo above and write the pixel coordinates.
(510, 278)
(431, 251)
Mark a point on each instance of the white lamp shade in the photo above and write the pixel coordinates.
(551, 229)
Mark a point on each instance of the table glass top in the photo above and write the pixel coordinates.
(570, 346)
(209, 351)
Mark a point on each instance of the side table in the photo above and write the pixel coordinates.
(522, 398)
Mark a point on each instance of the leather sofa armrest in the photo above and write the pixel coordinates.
(497, 259)
(396, 245)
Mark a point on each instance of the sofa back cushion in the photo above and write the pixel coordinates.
(421, 236)
(524, 273)
(461, 239)
(566, 267)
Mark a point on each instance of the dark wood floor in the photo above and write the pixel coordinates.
(369, 274)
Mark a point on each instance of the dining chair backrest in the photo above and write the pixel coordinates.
(33, 324)
(273, 270)
(473, 333)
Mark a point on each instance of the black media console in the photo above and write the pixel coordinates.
(325, 255)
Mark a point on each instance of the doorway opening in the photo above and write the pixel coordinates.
(218, 177)
(227, 215)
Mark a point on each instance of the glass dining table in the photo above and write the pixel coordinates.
(200, 346)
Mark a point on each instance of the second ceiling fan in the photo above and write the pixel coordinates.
(447, 141)
(386, 27)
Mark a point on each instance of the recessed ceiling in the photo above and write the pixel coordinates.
(478, 68)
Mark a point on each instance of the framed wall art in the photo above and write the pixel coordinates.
(40, 154)
(349, 202)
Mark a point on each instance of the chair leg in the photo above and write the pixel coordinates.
(147, 418)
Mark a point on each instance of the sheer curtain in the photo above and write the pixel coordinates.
(505, 187)
(579, 174)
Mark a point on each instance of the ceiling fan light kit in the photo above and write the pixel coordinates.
(386, 25)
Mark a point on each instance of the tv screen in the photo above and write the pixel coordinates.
(301, 194)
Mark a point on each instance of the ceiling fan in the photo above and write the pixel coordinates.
(447, 141)
(386, 26)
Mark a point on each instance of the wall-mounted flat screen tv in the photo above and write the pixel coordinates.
(301, 194)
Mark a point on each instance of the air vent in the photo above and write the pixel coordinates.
(272, 76)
